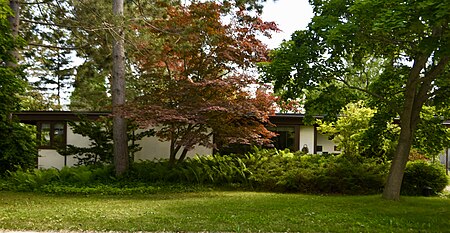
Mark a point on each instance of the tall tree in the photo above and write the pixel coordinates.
(14, 21)
(17, 145)
(195, 80)
(121, 161)
(411, 37)
(49, 50)
(90, 89)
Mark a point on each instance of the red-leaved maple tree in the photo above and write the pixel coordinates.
(196, 80)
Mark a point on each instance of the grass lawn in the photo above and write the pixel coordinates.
(223, 211)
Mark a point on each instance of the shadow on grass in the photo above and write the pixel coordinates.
(223, 212)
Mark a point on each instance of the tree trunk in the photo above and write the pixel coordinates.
(173, 153)
(183, 155)
(121, 160)
(395, 178)
(416, 93)
(14, 21)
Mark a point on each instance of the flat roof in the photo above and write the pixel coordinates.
(31, 117)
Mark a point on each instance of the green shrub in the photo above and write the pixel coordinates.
(31, 180)
(211, 169)
(423, 178)
(319, 174)
(86, 175)
(99, 189)
(35, 180)
(17, 146)
(265, 170)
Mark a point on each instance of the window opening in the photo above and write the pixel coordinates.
(52, 135)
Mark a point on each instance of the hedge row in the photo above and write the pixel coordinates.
(263, 170)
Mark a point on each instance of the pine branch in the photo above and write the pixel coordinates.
(48, 24)
(53, 46)
(34, 3)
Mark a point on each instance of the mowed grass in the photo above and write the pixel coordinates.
(223, 212)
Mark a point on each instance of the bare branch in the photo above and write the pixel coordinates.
(424, 90)
(436, 70)
(381, 98)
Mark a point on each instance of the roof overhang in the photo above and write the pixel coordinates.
(32, 117)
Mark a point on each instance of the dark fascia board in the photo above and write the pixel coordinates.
(32, 117)
(286, 119)
(289, 118)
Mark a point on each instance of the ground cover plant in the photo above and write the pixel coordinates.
(222, 212)
(262, 170)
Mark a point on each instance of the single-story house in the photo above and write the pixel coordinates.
(54, 131)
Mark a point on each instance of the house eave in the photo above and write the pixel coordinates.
(32, 117)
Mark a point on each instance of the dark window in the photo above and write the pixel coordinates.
(319, 149)
(52, 134)
(285, 137)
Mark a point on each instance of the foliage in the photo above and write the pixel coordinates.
(352, 128)
(214, 169)
(319, 174)
(17, 147)
(48, 55)
(43, 179)
(89, 94)
(349, 128)
(431, 136)
(33, 100)
(100, 134)
(17, 144)
(264, 170)
(424, 178)
(410, 41)
(195, 79)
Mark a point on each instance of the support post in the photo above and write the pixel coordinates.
(446, 161)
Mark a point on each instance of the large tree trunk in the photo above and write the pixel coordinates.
(395, 178)
(408, 122)
(121, 160)
(417, 91)
(14, 21)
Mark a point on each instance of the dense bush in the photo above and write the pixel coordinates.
(423, 178)
(213, 169)
(37, 179)
(319, 174)
(271, 170)
(265, 170)
(17, 146)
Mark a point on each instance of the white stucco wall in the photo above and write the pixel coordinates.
(327, 145)
(152, 148)
(307, 137)
(50, 158)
